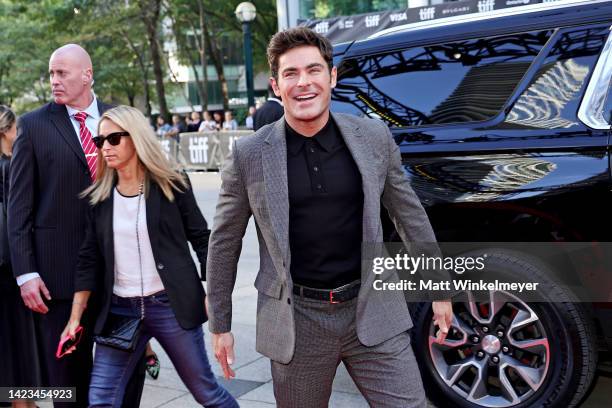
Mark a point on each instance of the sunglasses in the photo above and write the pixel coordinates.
(114, 139)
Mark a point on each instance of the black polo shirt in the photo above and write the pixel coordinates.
(325, 209)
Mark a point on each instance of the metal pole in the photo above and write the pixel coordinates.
(248, 62)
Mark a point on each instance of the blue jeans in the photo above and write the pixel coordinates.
(113, 368)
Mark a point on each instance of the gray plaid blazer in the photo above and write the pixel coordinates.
(254, 182)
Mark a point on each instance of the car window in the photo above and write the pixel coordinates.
(552, 99)
(463, 81)
(608, 107)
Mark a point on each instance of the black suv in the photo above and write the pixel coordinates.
(503, 122)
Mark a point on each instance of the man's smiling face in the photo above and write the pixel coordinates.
(304, 83)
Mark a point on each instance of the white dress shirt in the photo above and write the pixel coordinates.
(93, 118)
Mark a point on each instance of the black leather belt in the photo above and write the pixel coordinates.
(338, 295)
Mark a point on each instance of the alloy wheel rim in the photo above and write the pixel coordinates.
(497, 352)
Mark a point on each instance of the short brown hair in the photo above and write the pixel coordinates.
(286, 40)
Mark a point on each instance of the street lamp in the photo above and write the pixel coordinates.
(246, 13)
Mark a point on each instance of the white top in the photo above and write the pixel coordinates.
(207, 126)
(93, 117)
(231, 125)
(127, 268)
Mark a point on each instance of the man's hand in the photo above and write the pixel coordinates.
(442, 317)
(223, 346)
(30, 293)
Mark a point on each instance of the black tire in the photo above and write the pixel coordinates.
(572, 350)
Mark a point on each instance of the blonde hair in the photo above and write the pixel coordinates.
(7, 120)
(157, 167)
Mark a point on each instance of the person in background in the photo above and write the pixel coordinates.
(248, 122)
(194, 124)
(208, 124)
(178, 127)
(148, 210)
(19, 358)
(229, 123)
(54, 160)
(269, 112)
(162, 127)
(218, 119)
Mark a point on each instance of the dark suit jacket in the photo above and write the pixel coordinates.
(171, 225)
(46, 218)
(6, 275)
(270, 112)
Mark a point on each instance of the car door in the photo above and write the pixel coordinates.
(489, 131)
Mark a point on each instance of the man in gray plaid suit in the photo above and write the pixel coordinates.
(314, 182)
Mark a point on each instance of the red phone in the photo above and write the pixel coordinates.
(66, 342)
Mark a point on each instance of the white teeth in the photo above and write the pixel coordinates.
(304, 97)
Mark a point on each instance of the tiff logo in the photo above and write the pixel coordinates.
(486, 5)
(198, 149)
(322, 27)
(427, 13)
(372, 21)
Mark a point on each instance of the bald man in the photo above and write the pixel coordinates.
(53, 161)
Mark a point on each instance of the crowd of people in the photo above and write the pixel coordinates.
(257, 116)
(97, 224)
(194, 122)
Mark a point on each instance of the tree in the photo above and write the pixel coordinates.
(23, 72)
(120, 56)
(125, 40)
(198, 24)
(150, 14)
(217, 59)
(183, 28)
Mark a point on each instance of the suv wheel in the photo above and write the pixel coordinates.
(505, 352)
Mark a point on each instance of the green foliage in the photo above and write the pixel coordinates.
(22, 72)
(325, 9)
(113, 33)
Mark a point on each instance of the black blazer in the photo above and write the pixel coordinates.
(6, 275)
(269, 112)
(171, 225)
(46, 218)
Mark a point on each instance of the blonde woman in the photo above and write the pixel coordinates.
(19, 366)
(136, 255)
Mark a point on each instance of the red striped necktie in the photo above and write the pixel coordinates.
(88, 146)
